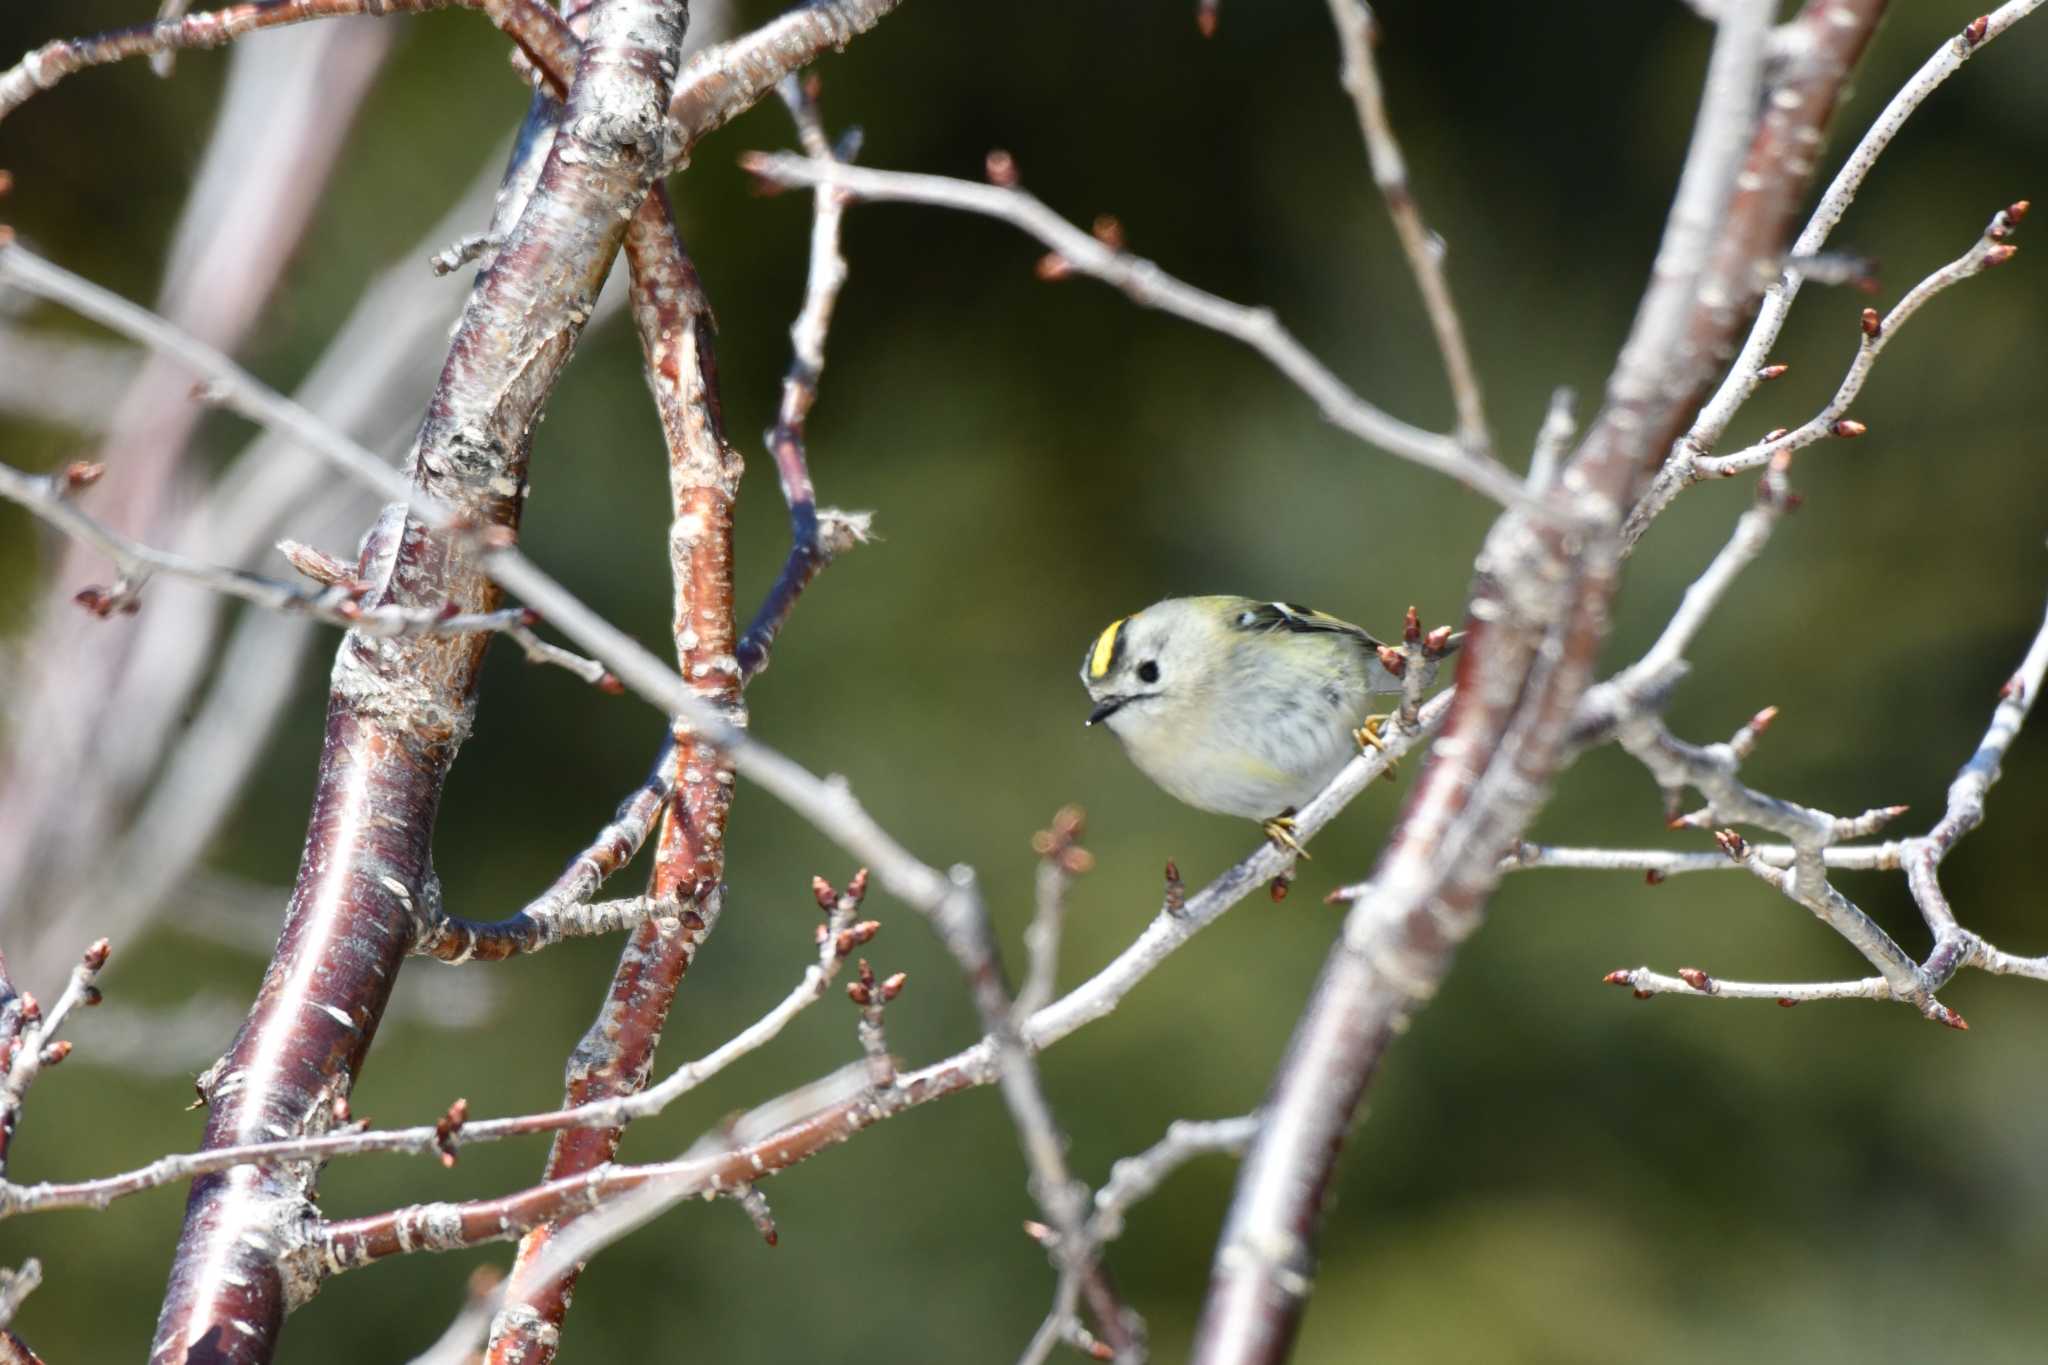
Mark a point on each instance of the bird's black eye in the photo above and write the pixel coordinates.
(1148, 671)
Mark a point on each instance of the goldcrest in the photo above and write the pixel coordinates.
(1236, 706)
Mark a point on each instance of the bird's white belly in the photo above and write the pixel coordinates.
(1278, 761)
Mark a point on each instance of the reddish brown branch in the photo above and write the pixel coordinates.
(1538, 617)
(617, 1053)
(400, 708)
(349, 1243)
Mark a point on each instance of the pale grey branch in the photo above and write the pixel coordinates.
(1151, 287)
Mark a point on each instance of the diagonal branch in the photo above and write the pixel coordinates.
(1178, 920)
(400, 709)
(1150, 287)
(616, 1054)
(1538, 616)
(53, 61)
(1751, 366)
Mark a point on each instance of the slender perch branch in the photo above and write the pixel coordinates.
(1179, 919)
(818, 1127)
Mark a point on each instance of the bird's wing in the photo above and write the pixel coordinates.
(1266, 617)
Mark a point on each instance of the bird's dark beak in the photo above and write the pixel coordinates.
(1106, 709)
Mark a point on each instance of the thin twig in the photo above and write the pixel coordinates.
(1150, 287)
(1920, 857)
(1357, 30)
(1060, 859)
(815, 537)
(52, 62)
(51, 498)
(1691, 464)
(1135, 1178)
(720, 83)
(29, 1041)
(1553, 438)
(17, 1285)
(1752, 364)
(1096, 998)
(551, 915)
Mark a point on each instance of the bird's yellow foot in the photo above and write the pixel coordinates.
(1280, 829)
(1368, 737)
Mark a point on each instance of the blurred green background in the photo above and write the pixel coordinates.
(1548, 1171)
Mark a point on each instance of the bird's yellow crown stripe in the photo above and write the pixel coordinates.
(1105, 649)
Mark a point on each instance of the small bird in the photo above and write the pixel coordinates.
(1237, 706)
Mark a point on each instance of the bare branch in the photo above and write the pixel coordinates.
(1954, 946)
(1150, 287)
(1658, 863)
(1135, 1178)
(1060, 859)
(815, 537)
(52, 62)
(1538, 615)
(29, 1041)
(551, 915)
(17, 1285)
(1752, 364)
(50, 498)
(802, 1129)
(673, 320)
(723, 82)
(1691, 465)
(1357, 30)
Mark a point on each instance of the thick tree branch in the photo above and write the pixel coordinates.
(1537, 620)
(721, 83)
(400, 709)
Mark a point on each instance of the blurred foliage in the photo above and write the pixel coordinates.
(1548, 1171)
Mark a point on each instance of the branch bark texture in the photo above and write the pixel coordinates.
(1538, 616)
(400, 708)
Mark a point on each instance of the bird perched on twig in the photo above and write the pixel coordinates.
(1236, 706)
